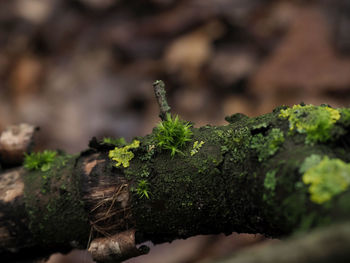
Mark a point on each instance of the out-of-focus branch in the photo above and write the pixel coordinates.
(326, 245)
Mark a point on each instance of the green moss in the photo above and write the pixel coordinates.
(122, 155)
(293, 208)
(345, 116)
(40, 160)
(173, 134)
(269, 185)
(268, 145)
(236, 118)
(236, 142)
(309, 162)
(119, 142)
(327, 178)
(149, 152)
(314, 121)
(53, 201)
(196, 147)
(145, 173)
(270, 180)
(142, 189)
(260, 125)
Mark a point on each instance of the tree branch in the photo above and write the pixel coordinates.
(246, 177)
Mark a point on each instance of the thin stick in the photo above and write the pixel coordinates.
(159, 91)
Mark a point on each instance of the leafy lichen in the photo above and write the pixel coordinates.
(122, 155)
(327, 178)
(268, 145)
(314, 121)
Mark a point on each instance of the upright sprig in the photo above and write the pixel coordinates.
(142, 189)
(173, 134)
(160, 93)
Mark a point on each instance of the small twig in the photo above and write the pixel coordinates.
(159, 90)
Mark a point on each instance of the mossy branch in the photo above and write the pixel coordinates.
(275, 174)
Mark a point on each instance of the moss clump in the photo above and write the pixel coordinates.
(122, 155)
(40, 160)
(268, 145)
(142, 189)
(173, 134)
(327, 178)
(315, 121)
(196, 147)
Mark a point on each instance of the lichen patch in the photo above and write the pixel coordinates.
(314, 121)
(326, 179)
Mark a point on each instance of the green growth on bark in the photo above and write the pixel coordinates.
(326, 177)
(122, 155)
(142, 189)
(314, 121)
(267, 146)
(173, 134)
(196, 147)
(114, 141)
(40, 160)
(53, 201)
(270, 185)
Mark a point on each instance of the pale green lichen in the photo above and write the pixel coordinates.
(40, 160)
(196, 147)
(327, 178)
(268, 145)
(314, 121)
(122, 155)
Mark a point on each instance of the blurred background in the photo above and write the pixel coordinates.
(84, 68)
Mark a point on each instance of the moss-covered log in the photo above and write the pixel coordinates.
(275, 174)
